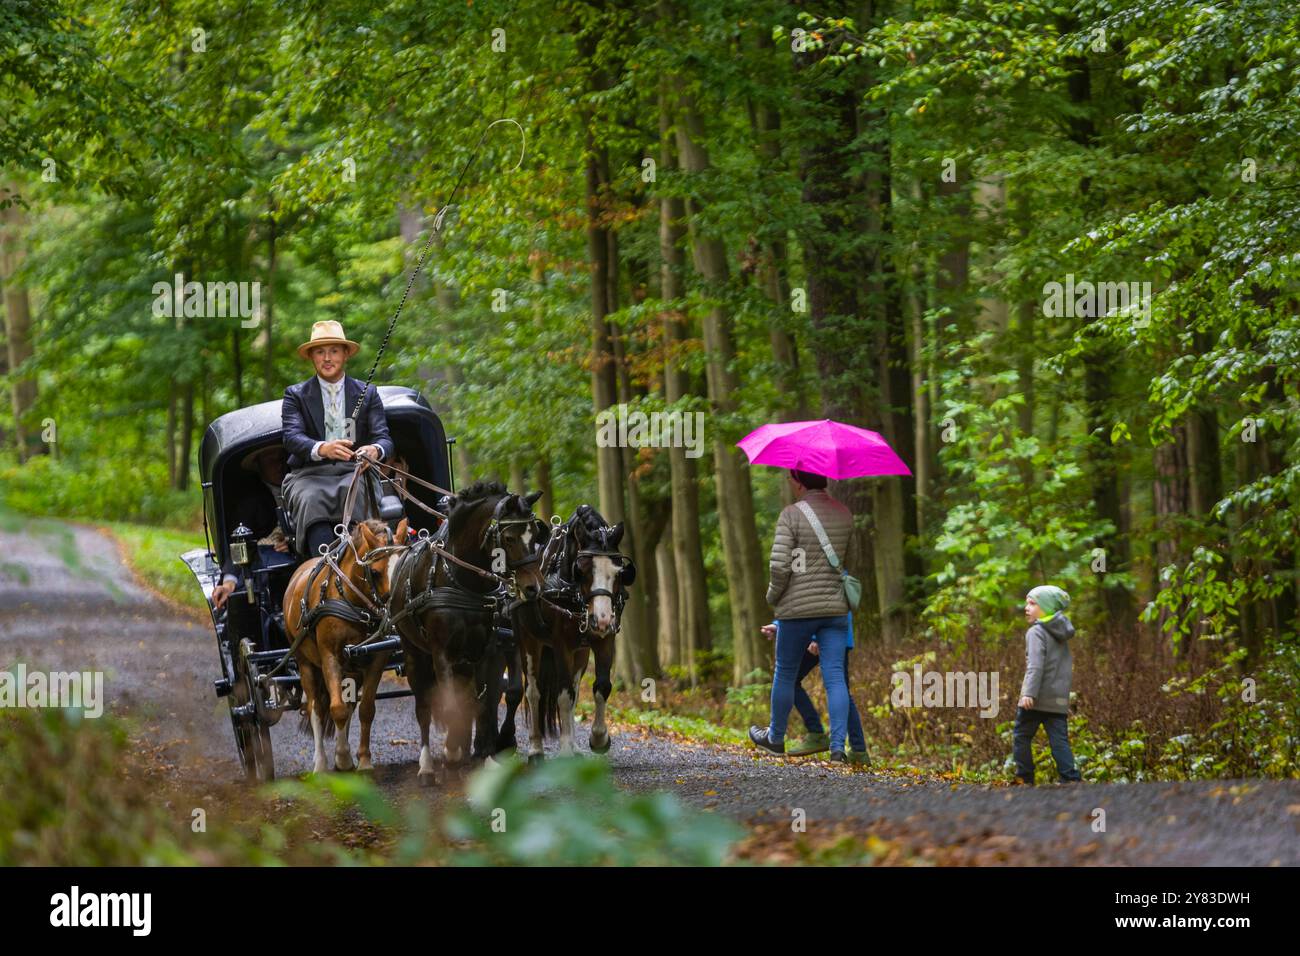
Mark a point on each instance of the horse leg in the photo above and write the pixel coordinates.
(568, 676)
(514, 694)
(312, 696)
(366, 708)
(419, 672)
(340, 712)
(536, 750)
(488, 679)
(604, 653)
(454, 704)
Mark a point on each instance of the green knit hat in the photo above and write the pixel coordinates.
(1051, 599)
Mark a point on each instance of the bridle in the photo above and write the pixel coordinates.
(570, 590)
(492, 540)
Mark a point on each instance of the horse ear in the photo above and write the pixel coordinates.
(616, 535)
(402, 530)
(366, 537)
(531, 499)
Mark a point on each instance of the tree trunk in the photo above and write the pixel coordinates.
(670, 645)
(640, 623)
(269, 390)
(1170, 504)
(746, 578)
(1101, 368)
(604, 379)
(773, 266)
(18, 332)
(692, 601)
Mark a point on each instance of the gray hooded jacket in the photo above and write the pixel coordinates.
(1049, 668)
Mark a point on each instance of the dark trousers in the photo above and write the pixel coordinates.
(322, 532)
(1022, 735)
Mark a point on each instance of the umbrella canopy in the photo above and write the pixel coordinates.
(824, 447)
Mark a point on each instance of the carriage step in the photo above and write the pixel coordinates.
(222, 687)
(361, 652)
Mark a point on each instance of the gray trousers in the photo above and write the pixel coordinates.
(317, 493)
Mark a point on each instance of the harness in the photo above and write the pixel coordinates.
(565, 595)
(373, 619)
(495, 605)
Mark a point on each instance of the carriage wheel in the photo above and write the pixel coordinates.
(252, 734)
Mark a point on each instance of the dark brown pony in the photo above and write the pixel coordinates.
(586, 587)
(446, 592)
(331, 602)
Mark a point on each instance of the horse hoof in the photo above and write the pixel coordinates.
(491, 761)
(534, 759)
(429, 779)
(600, 746)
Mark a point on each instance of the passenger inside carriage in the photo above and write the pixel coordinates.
(253, 504)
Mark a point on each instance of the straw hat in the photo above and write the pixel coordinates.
(328, 332)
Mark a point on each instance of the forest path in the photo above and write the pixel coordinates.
(68, 602)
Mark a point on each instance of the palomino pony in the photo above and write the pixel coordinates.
(580, 612)
(445, 595)
(331, 602)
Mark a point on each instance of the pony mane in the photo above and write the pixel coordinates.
(463, 505)
(375, 526)
(590, 520)
(478, 491)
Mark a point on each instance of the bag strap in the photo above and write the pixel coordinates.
(820, 532)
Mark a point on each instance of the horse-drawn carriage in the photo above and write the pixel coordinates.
(250, 629)
(495, 600)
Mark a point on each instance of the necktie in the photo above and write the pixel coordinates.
(334, 413)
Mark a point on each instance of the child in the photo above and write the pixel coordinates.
(1045, 693)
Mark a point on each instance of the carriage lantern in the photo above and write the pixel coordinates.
(241, 551)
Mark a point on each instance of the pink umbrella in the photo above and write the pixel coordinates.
(824, 447)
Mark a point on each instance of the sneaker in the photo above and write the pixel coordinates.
(859, 757)
(809, 744)
(839, 756)
(758, 736)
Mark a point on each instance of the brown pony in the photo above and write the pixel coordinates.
(580, 614)
(445, 593)
(331, 602)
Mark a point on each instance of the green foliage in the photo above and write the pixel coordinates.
(567, 812)
(49, 486)
(85, 801)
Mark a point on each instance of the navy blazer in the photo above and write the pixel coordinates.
(303, 418)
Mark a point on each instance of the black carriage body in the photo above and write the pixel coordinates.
(416, 431)
(250, 633)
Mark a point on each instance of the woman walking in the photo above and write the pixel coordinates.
(807, 591)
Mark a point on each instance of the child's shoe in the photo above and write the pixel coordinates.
(809, 744)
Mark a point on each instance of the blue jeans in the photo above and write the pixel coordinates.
(808, 712)
(792, 639)
(1058, 738)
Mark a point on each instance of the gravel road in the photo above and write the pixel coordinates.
(68, 602)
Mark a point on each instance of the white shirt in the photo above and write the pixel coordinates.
(332, 400)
